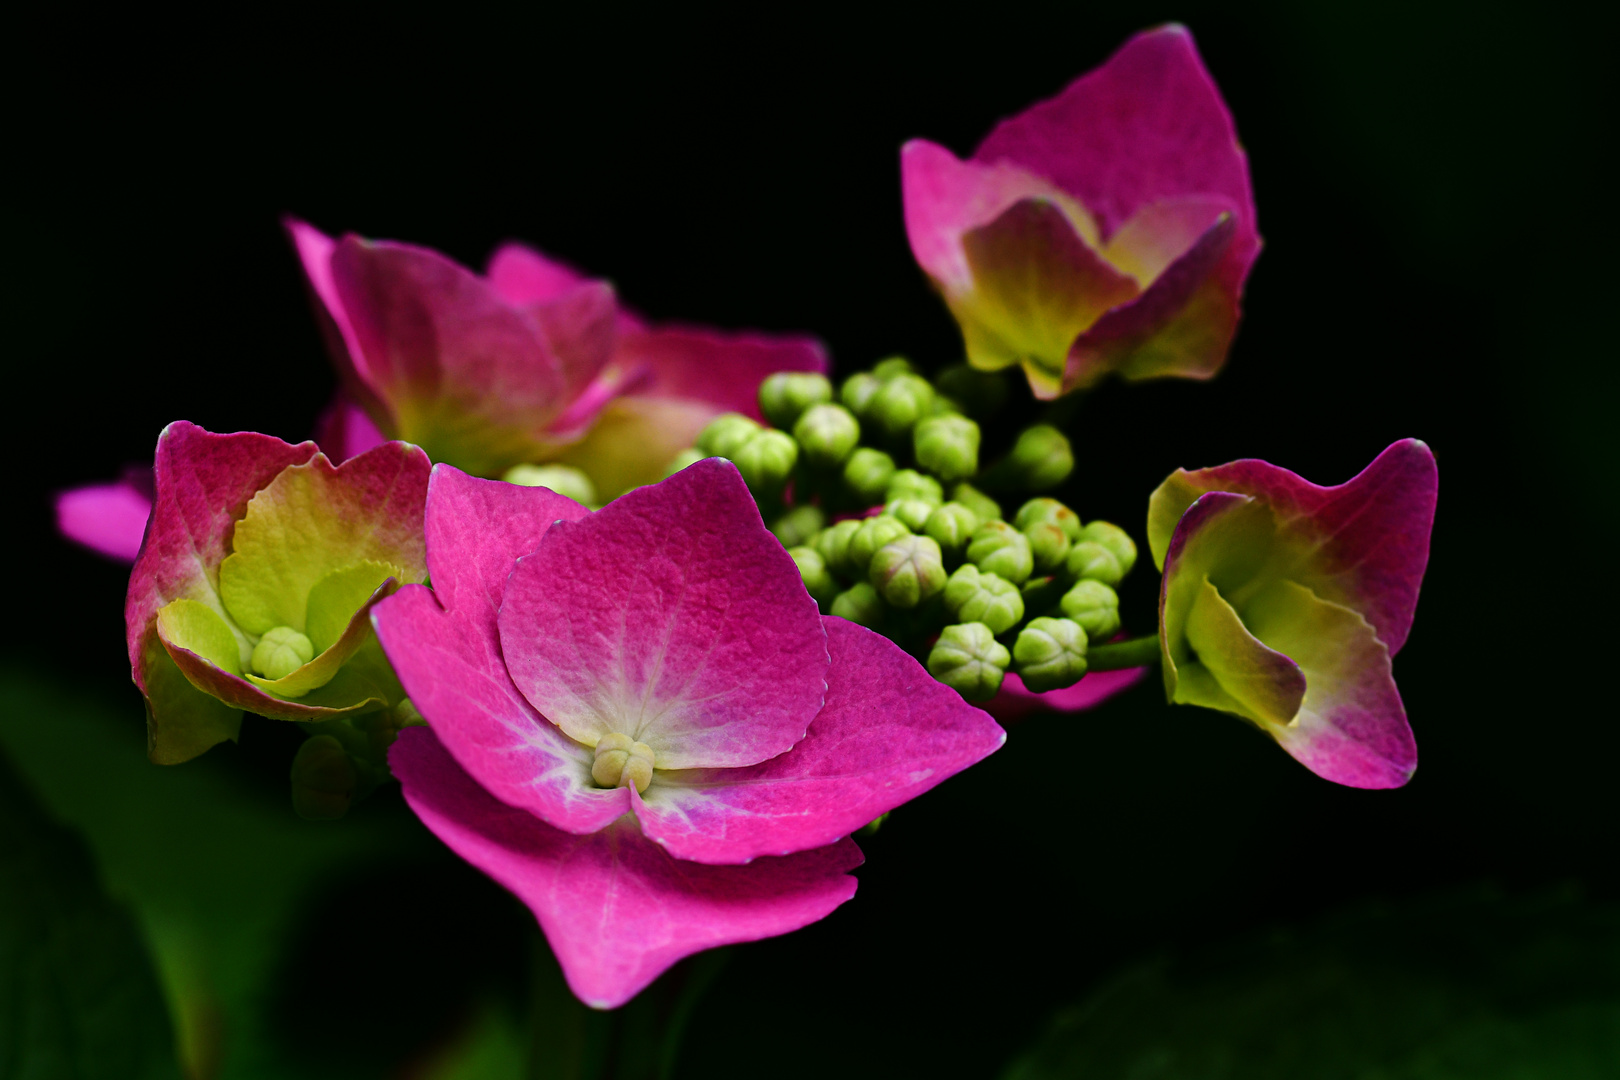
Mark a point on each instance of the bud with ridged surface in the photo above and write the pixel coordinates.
(1050, 654)
(968, 658)
(784, 396)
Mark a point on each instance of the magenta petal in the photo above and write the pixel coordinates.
(444, 647)
(343, 430)
(109, 519)
(616, 909)
(722, 369)
(1014, 701)
(673, 616)
(887, 734)
(522, 276)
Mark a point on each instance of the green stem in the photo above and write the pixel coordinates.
(1136, 652)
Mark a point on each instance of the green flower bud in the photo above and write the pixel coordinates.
(977, 501)
(858, 390)
(899, 403)
(684, 459)
(1090, 560)
(943, 405)
(798, 525)
(828, 433)
(813, 569)
(1048, 545)
(1001, 549)
(1041, 458)
(324, 779)
(1041, 510)
(563, 479)
(974, 596)
(860, 603)
(726, 434)
(907, 571)
(622, 761)
(982, 392)
(968, 658)
(911, 484)
(1050, 654)
(281, 652)
(886, 369)
(1115, 539)
(784, 396)
(914, 512)
(950, 526)
(766, 461)
(833, 543)
(947, 446)
(874, 533)
(1095, 607)
(868, 473)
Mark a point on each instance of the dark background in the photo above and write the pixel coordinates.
(1439, 263)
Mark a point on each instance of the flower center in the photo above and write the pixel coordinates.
(621, 761)
(281, 652)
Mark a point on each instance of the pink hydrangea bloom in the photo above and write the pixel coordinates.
(1109, 229)
(1284, 602)
(672, 629)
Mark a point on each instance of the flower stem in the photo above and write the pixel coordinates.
(1135, 652)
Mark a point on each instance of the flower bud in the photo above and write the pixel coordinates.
(1002, 550)
(766, 461)
(725, 434)
(563, 479)
(833, 544)
(891, 366)
(943, 405)
(1048, 545)
(947, 446)
(858, 390)
(798, 525)
(1037, 511)
(951, 525)
(323, 779)
(914, 512)
(968, 658)
(977, 501)
(983, 393)
(974, 596)
(1089, 560)
(684, 459)
(784, 396)
(1095, 607)
(1041, 458)
(813, 569)
(860, 603)
(873, 533)
(281, 652)
(867, 473)
(827, 434)
(1050, 654)
(899, 403)
(1115, 539)
(907, 571)
(911, 484)
(621, 761)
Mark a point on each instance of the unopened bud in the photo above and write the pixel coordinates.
(868, 473)
(1040, 510)
(977, 501)
(323, 779)
(860, 603)
(907, 571)
(684, 460)
(833, 543)
(951, 525)
(873, 533)
(813, 569)
(982, 393)
(281, 652)
(911, 484)
(1050, 654)
(857, 392)
(947, 446)
(784, 396)
(1048, 545)
(968, 658)
(974, 596)
(889, 367)
(1089, 560)
(563, 479)
(621, 761)
(899, 403)
(914, 512)
(1041, 458)
(726, 434)
(827, 434)
(1115, 539)
(1095, 607)
(798, 525)
(766, 461)
(1001, 549)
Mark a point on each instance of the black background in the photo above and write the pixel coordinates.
(1439, 263)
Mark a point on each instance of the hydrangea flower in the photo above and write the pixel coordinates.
(1109, 229)
(640, 724)
(1284, 602)
(253, 587)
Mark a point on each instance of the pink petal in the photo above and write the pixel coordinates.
(579, 325)
(109, 519)
(343, 430)
(671, 615)
(887, 734)
(522, 276)
(314, 250)
(713, 366)
(616, 909)
(444, 646)
(1014, 702)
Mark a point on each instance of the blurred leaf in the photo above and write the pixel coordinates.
(1473, 987)
(78, 998)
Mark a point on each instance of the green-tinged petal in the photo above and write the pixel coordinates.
(336, 598)
(634, 440)
(1226, 667)
(330, 596)
(1165, 507)
(193, 625)
(181, 720)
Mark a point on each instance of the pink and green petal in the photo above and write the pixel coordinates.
(1014, 701)
(673, 616)
(617, 909)
(887, 733)
(447, 650)
(109, 519)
